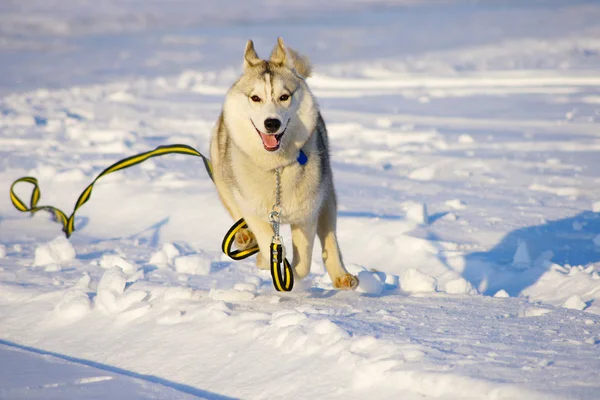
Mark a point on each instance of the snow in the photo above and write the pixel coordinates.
(415, 281)
(193, 264)
(464, 146)
(57, 251)
(575, 303)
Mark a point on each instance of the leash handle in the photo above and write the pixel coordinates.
(283, 281)
(228, 240)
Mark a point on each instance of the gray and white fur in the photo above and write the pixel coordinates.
(269, 115)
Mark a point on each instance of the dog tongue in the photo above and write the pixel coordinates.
(269, 141)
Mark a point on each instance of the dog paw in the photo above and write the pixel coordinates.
(346, 282)
(244, 239)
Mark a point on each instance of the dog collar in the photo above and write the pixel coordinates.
(302, 158)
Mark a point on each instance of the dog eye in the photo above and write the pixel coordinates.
(284, 97)
(255, 98)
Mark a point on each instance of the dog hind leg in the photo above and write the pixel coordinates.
(332, 257)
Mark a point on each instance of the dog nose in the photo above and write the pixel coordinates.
(272, 124)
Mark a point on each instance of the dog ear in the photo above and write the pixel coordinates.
(250, 57)
(287, 57)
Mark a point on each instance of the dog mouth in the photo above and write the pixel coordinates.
(270, 142)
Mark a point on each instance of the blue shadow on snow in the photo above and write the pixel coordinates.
(563, 241)
(203, 394)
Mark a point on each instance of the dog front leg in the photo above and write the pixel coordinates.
(303, 239)
(263, 232)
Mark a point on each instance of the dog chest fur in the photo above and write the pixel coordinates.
(301, 195)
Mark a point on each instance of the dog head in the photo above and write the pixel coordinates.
(270, 112)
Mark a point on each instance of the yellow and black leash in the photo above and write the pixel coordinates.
(282, 281)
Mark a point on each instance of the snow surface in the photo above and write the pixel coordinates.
(465, 150)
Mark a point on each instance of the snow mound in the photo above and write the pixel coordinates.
(112, 260)
(415, 281)
(164, 256)
(501, 294)
(193, 264)
(574, 303)
(369, 283)
(521, 258)
(57, 251)
(459, 286)
(456, 204)
(416, 212)
(74, 305)
(111, 296)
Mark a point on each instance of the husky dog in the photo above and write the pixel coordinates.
(270, 120)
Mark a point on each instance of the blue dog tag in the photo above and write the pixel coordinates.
(302, 158)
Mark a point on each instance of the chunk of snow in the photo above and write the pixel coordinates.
(521, 259)
(56, 251)
(459, 286)
(121, 97)
(501, 294)
(171, 251)
(248, 287)
(414, 281)
(392, 280)
(456, 204)
(450, 217)
(110, 296)
(416, 212)
(84, 282)
(575, 303)
(383, 122)
(369, 282)
(112, 260)
(596, 207)
(193, 264)
(74, 304)
(2, 251)
(423, 174)
(164, 256)
(159, 259)
(590, 269)
(466, 139)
